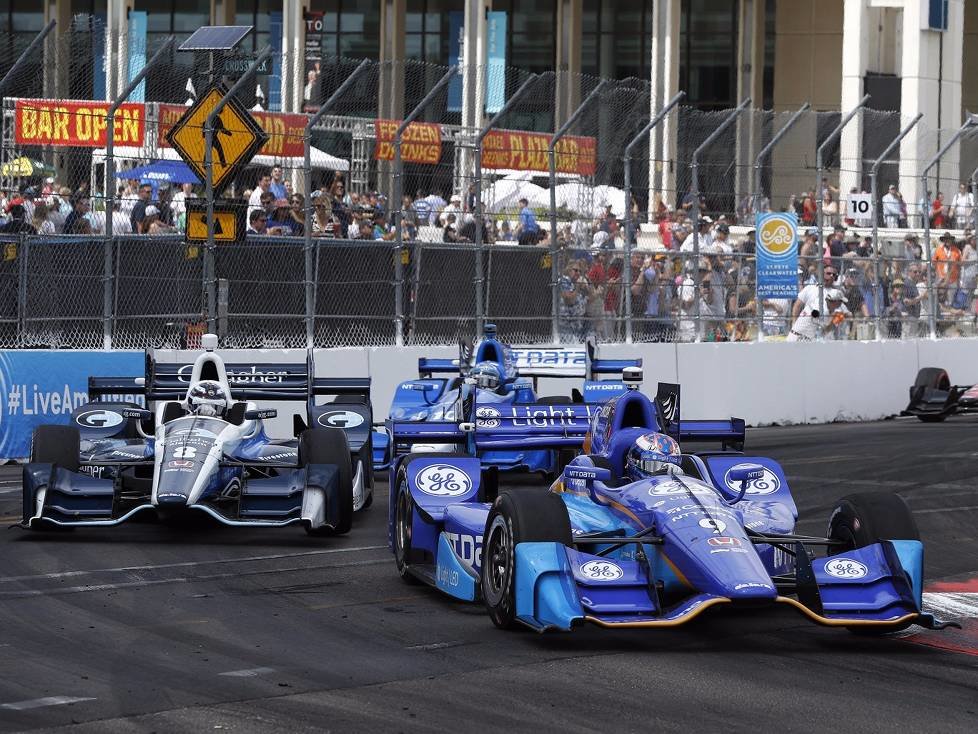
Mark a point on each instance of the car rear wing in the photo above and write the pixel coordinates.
(730, 432)
(248, 381)
(563, 361)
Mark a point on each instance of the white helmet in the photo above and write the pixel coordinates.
(208, 398)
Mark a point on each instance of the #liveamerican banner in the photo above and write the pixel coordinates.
(777, 255)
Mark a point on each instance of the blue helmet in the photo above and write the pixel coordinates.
(487, 375)
(651, 454)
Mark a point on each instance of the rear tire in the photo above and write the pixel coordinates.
(59, 445)
(517, 516)
(329, 446)
(866, 518)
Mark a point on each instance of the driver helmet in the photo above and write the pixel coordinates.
(208, 398)
(487, 375)
(653, 453)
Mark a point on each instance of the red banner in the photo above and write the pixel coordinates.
(520, 151)
(285, 131)
(421, 142)
(76, 124)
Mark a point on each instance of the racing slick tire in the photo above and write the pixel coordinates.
(517, 516)
(403, 524)
(866, 518)
(934, 378)
(56, 445)
(329, 446)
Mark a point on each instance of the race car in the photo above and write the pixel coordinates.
(636, 533)
(204, 449)
(503, 380)
(933, 398)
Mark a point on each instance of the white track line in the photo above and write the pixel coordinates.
(248, 672)
(25, 593)
(36, 703)
(191, 564)
(945, 509)
(954, 604)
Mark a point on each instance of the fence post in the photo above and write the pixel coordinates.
(552, 158)
(109, 189)
(209, 274)
(931, 294)
(22, 256)
(694, 170)
(818, 196)
(311, 275)
(974, 209)
(398, 195)
(629, 225)
(27, 53)
(758, 165)
(481, 293)
(874, 189)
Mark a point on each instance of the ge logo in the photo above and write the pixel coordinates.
(717, 526)
(340, 419)
(486, 417)
(442, 480)
(846, 568)
(777, 235)
(98, 419)
(601, 571)
(767, 484)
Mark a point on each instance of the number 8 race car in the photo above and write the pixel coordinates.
(118, 460)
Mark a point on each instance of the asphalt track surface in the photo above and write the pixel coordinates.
(155, 629)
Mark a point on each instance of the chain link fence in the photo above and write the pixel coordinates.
(371, 253)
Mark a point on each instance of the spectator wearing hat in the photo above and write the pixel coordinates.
(454, 206)
(892, 207)
(947, 258)
(826, 321)
(897, 311)
(721, 239)
(572, 306)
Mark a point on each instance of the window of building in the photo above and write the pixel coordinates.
(350, 27)
(179, 18)
(20, 22)
(708, 53)
(616, 38)
(426, 29)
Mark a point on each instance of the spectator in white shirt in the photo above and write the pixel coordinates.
(962, 205)
(892, 207)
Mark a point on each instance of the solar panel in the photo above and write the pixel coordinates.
(215, 38)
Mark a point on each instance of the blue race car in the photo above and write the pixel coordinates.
(503, 380)
(204, 450)
(637, 534)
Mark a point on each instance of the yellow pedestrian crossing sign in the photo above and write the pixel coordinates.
(229, 220)
(236, 139)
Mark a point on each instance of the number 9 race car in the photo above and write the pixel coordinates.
(204, 449)
(616, 547)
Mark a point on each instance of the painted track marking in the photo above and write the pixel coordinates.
(36, 703)
(247, 672)
(190, 564)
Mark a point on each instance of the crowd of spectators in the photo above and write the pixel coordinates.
(675, 293)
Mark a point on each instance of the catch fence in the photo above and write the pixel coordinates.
(500, 221)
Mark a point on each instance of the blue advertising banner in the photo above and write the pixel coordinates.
(137, 52)
(496, 61)
(39, 387)
(274, 96)
(456, 25)
(777, 255)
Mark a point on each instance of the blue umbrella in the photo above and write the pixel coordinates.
(173, 172)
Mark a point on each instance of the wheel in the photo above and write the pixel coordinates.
(56, 445)
(517, 516)
(866, 518)
(403, 520)
(329, 446)
(934, 377)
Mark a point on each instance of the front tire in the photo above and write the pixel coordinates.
(403, 527)
(329, 446)
(517, 516)
(867, 518)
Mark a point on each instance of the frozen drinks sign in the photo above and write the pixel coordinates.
(777, 255)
